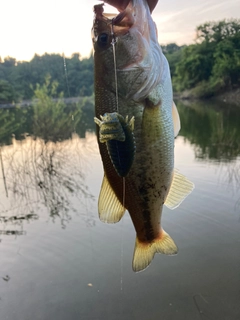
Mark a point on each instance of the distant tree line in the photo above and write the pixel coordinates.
(205, 68)
(18, 79)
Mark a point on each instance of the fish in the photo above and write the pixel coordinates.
(132, 79)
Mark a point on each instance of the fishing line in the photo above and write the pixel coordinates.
(3, 173)
(116, 87)
(94, 280)
(66, 73)
(115, 64)
(123, 180)
(121, 278)
(124, 191)
(67, 82)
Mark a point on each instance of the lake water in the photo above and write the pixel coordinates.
(58, 261)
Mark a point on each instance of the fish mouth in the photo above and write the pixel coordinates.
(121, 22)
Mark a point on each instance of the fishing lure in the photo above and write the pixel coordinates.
(117, 133)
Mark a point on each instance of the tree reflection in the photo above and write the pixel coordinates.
(214, 130)
(48, 174)
(16, 221)
(51, 119)
(43, 168)
(11, 121)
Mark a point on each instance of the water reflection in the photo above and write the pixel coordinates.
(213, 129)
(52, 122)
(16, 221)
(43, 163)
(43, 158)
(50, 269)
(48, 173)
(14, 121)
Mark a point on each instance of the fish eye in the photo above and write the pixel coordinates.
(103, 39)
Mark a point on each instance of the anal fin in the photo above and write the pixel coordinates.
(180, 188)
(109, 207)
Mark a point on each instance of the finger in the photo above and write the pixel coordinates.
(119, 4)
(152, 4)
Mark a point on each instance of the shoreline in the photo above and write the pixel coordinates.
(28, 103)
(230, 97)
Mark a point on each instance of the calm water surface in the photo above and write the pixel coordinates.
(58, 261)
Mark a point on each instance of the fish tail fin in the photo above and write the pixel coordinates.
(165, 244)
(143, 255)
(144, 251)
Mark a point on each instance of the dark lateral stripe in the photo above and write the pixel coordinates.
(149, 234)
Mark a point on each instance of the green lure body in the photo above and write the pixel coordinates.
(117, 133)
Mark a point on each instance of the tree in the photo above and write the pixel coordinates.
(217, 31)
(227, 62)
(195, 66)
(170, 48)
(6, 92)
(51, 118)
(9, 62)
(213, 63)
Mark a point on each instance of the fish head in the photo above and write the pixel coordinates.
(126, 45)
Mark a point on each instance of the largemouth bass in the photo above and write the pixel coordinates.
(132, 79)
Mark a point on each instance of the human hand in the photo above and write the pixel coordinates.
(122, 4)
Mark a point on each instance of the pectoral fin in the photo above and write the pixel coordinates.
(109, 207)
(176, 120)
(180, 188)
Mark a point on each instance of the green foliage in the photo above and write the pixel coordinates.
(170, 48)
(7, 94)
(227, 61)
(51, 119)
(50, 116)
(213, 63)
(195, 66)
(11, 122)
(214, 130)
(86, 123)
(173, 53)
(76, 117)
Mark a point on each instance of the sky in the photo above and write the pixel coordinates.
(32, 26)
